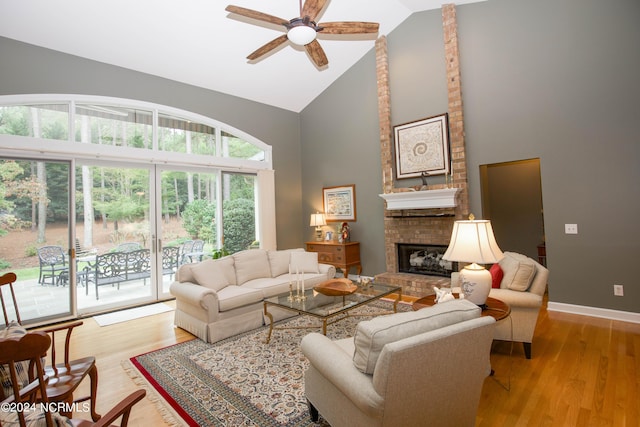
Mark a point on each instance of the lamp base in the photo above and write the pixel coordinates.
(476, 283)
(319, 234)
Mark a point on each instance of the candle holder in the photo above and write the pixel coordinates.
(290, 297)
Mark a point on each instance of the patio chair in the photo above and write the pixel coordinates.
(170, 256)
(192, 250)
(64, 376)
(53, 265)
(22, 356)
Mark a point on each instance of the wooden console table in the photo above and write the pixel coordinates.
(340, 255)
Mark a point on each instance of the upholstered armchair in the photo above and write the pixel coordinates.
(523, 286)
(407, 369)
(520, 282)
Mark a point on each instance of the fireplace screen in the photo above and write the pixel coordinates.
(424, 259)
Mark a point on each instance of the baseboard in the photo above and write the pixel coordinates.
(605, 313)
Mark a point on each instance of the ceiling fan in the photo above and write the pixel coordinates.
(303, 29)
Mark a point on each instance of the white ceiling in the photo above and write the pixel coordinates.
(197, 42)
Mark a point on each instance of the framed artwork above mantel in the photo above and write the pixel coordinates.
(339, 203)
(422, 147)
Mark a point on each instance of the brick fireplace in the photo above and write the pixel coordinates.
(430, 226)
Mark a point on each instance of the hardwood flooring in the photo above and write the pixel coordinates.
(584, 371)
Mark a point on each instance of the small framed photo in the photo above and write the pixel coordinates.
(339, 203)
(422, 147)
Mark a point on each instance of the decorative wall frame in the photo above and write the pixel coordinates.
(339, 203)
(422, 146)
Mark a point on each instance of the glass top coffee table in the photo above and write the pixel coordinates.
(330, 309)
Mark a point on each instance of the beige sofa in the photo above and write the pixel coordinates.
(523, 286)
(216, 299)
(407, 369)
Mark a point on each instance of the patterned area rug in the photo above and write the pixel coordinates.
(241, 381)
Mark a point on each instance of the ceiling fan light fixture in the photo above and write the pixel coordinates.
(301, 35)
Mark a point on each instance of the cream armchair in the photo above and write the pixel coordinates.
(407, 369)
(523, 291)
(523, 285)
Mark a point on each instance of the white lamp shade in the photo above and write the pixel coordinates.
(473, 241)
(317, 220)
(301, 35)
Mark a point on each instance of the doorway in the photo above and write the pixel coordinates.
(512, 200)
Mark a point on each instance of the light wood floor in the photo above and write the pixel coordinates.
(584, 371)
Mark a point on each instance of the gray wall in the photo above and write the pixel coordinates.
(341, 146)
(555, 80)
(29, 69)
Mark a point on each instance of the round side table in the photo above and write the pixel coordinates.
(494, 307)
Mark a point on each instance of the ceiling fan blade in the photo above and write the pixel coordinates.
(311, 8)
(317, 53)
(348, 27)
(254, 14)
(267, 47)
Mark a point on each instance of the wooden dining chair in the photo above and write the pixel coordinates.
(31, 405)
(64, 376)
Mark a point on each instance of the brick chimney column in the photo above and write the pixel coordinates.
(456, 118)
(384, 114)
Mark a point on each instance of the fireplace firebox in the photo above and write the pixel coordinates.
(424, 259)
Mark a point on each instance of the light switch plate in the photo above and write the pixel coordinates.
(571, 229)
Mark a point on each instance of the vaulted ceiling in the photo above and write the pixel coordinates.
(198, 43)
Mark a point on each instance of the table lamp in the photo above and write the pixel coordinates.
(317, 221)
(473, 241)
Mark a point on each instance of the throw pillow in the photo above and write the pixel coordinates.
(304, 262)
(372, 335)
(210, 274)
(13, 330)
(496, 275)
(251, 264)
(279, 261)
(518, 271)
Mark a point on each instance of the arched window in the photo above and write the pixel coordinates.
(110, 171)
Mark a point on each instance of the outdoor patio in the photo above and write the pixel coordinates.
(42, 301)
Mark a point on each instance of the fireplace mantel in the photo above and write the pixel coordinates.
(423, 199)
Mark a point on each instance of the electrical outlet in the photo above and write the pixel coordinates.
(571, 229)
(618, 290)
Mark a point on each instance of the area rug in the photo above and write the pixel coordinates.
(240, 381)
(130, 314)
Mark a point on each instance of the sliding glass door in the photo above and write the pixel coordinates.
(115, 246)
(189, 218)
(34, 237)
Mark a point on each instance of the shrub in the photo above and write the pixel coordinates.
(31, 250)
(239, 224)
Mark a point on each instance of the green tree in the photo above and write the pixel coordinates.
(198, 219)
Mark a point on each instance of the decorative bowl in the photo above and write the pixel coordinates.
(336, 287)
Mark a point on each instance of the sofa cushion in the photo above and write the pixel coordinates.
(185, 272)
(372, 335)
(237, 296)
(210, 274)
(279, 261)
(518, 271)
(304, 262)
(251, 264)
(496, 275)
